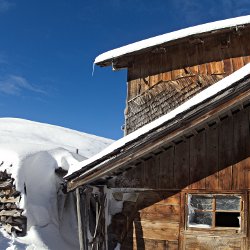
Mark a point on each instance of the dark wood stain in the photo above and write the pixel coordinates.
(215, 160)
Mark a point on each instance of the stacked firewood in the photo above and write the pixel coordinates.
(11, 218)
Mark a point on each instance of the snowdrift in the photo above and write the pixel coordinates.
(31, 152)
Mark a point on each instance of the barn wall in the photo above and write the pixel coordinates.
(160, 80)
(216, 159)
(141, 225)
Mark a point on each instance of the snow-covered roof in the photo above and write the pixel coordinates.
(168, 37)
(117, 146)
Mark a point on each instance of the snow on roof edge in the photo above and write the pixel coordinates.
(157, 40)
(197, 99)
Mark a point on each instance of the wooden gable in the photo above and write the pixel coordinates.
(163, 78)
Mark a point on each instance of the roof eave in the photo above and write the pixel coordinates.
(222, 102)
(108, 58)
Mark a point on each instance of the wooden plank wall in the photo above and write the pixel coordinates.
(216, 159)
(152, 222)
(158, 82)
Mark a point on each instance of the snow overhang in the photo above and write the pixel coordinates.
(229, 90)
(109, 58)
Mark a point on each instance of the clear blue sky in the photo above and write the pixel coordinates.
(47, 48)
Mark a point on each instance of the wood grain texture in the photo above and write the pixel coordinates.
(181, 165)
(213, 160)
(198, 169)
(216, 55)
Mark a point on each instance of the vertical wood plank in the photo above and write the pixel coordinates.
(193, 58)
(237, 63)
(154, 67)
(202, 69)
(213, 56)
(225, 153)
(228, 66)
(79, 219)
(248, 136)
(166, 66)
(177, 63)
(144, 77)
(215, 68)
(160, 74)
(134, 82)
(166, 168)
(198, 170)
(181, 165)
(241, 135)
(212, 138)
(151, 168)
(246, 59)
(138, 174)
(130, 85)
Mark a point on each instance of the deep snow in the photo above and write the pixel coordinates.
(31, 152)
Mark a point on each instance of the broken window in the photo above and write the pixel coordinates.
(214, 210)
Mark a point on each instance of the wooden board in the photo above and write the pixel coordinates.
(240, 143)
(166, 168)
(225, 153)
(155, 212)
(181, 165)
(148, 244)
(211, 243)
(157, 230)
(212, 160)
(198, 170)
(151, 166)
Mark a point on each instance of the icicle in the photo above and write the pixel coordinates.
(93, 69)
(113, 66)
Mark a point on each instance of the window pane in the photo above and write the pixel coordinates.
(227, 219)
(227, 202)
(200, 219)
(201, 202)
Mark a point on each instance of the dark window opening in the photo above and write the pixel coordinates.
(224, 219)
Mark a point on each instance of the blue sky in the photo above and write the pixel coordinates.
(47, 50)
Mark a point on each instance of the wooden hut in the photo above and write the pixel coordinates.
(180, 177)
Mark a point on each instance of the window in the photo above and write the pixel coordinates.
(214, 211)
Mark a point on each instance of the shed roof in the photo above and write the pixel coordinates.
(225, 87)
(107, 58)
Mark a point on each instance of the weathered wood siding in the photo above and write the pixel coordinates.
(215, 159)
(152, 221)
(160, 80)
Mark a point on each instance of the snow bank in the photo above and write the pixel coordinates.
(19, 130)
(31, 152)
(158, 40)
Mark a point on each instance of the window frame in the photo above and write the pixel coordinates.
(242, 211)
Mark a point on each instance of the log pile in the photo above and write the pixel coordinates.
(11, 218)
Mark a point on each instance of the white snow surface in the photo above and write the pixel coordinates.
(31, 152)
(158, 40)
(197, 99)
(50, 135)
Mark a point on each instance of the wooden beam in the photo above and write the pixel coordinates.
(79, 219)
